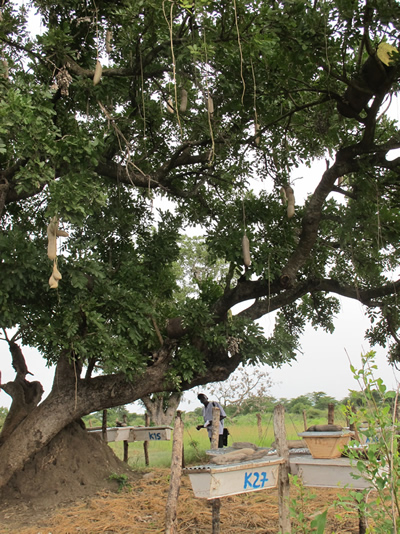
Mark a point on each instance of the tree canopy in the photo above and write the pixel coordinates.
(123, 124)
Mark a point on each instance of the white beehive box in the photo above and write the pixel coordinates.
(213, 481)
(326, 473)
(137, 433)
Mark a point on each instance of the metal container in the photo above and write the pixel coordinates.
(213, 481)
(328, 473)
(137, 433)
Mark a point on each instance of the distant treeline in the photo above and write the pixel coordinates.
(314, 404)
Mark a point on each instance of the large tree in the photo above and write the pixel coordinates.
(118, 105)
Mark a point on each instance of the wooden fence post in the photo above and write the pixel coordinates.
(146, 443)
(215, 428)
(216, 503)
(305, 420)
(126, 451)
(283, 478)
(331, 413)
(176, 473)
(259, 427)
(126, 442)
(104, 426)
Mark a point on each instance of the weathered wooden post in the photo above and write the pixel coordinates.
(215, 428)
(283, 478)
(216, 503)
(126, 451)
(259, 427)
(146, 443)
(176, 473)
(126, 442)
(305, 420)
(104, 426)
(331, 414)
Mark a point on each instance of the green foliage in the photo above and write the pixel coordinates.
(380, 465)
(317, 401)
(127, 178)
(114, 415)
(298, 510)
(122, 480)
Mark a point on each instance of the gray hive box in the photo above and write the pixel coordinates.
(326, 473)
(137, 433)
(213, 481)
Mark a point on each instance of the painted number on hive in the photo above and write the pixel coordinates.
(255, 480)
(155, 435)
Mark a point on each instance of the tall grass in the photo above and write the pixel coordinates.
(197, 442)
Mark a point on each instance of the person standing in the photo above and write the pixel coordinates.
(208, 416)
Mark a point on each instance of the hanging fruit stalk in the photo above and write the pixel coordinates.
(170, 106)
(109, 37)
(55, 276)
(97, 73)
(52, 239)
(283, 195)
(210, 105)
(246, 251)
(5, 68)
(184, 100)
(290, 200)
(257, 134)
(52, 233)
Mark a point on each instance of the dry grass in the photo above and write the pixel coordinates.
(141, 510)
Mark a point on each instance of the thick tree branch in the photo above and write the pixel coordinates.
(365, 296)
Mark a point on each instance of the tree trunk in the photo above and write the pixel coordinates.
(160, 408)
(25, 395)
(70, 399)
(73, 397)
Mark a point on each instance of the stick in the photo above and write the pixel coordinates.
(331, 414)
(216, 503)
(176, 473)
(146, 443)
(362, 520)
(216, 508)
(215, 428)
(283, 479)
(259, 427)
(104, 426)
(305, 420)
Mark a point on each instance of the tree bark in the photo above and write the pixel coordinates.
(25, 395)
(159, 413)
(176, 474)
(283, 479)
(73, 397)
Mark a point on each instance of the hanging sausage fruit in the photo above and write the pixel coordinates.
(246, 251)
(52, 233)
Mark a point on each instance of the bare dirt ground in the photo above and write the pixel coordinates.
(67, 490)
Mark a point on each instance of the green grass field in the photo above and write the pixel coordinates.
(196, 442)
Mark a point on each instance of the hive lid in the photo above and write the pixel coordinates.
(325, 434)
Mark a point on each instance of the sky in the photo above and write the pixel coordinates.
(324, 364)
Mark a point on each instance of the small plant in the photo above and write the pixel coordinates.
(379, 461)
(301, 523)
(122, 481)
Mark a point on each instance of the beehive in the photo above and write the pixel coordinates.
(326, 444)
